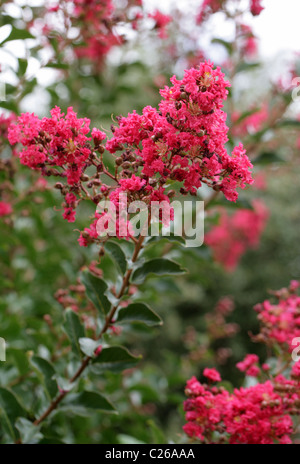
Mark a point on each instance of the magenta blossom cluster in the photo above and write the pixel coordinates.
(209, 7)
(255, 7)
(57, 141)
(253, 415)
(280, 320)
(185, 139)
(236, 233)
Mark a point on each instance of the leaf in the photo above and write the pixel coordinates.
(124, 439)
(139, 312)
(20, 359)
(246, 114)
(46, 372)
(22, 66)
(114, 358)
(267, 157)
(243, 66)
(29, 433)
(88, 346)
(288, 123)
(74, 330)
(90, 400)
(157, 266)
(11, 409)
(117, 253)
(158, 436)
(18, 34)
(227, 45)
(95, 289)
(57, 65)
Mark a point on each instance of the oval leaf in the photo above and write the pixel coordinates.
(114, 358)
(139, 312)
(95, 289)
(157, 266)
(46, 372)
(74, 330)
(11, 409)
(118, 254)
(89, 400)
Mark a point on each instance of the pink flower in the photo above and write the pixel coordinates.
(248, 362)
(98, 136)
(256, 7)
(212, 374)
(5, 209)
(234, 234)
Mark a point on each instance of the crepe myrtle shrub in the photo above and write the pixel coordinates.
(180, 142)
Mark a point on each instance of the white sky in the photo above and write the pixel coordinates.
(278, 26)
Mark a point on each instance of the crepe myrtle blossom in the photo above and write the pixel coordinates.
(280, 320)
(259, 414)
(96, 23)
(209, 7)
(183, 140)
(5, 208)
(236, 233)
(253, 415)
(255, 7)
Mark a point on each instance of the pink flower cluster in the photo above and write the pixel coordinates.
(255, 7)
(280, 321)
(5, 208)
(57, 141)
(260, 414)
(250, 124)
(95, 22)
(185, 139)
(161, 22)
(235, 233)
(253, 415)
(209, 7)
(249, 365)
(217, 326)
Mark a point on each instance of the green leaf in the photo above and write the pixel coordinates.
(268, 157)
(95, 289)
(88, 346)
(157, 266)
(29, 433)
(22, 66)
(114, 358)
(288, 123)
(11, 409)
(124, 439)
(57, 65)
(158, 436)
(74, 330)
(18, 34)
(227, 45)
(90, 400)
(246, 114)
(20, 359)
(243, 66)
(139, 312)
(46, 372)
(118, 254)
